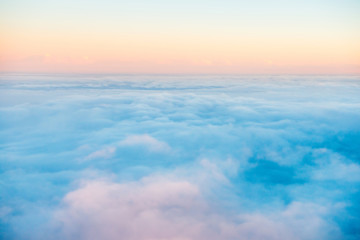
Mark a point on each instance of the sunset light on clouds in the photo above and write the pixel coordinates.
(261, 36)
(179, 120)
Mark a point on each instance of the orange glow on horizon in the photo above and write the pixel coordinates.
(141, 47)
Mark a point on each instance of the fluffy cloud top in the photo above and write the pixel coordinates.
(145, 140)
(179, 157)
(163, 209)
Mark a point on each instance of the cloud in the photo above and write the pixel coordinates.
(147, 141)
(103, 153)
(278, 154)
(113, 211)
(133, 141)
(159, 208)
(338, 169)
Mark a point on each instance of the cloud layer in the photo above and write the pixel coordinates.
(166, 209)
(179, 157)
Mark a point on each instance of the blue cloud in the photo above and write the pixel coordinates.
(198, 157)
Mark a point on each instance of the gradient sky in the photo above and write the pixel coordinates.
(188, 36)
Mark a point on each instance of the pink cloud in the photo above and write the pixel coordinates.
(160, 208)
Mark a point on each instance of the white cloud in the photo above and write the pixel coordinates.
(106, 152)
(145, 140)
(152, 144)
(338, 171)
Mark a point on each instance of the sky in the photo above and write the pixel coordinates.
(189, 36)
(195, 157)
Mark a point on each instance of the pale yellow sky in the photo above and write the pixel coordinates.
(261, 37)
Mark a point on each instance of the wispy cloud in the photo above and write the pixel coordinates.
(147, 141)
(103, 153)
